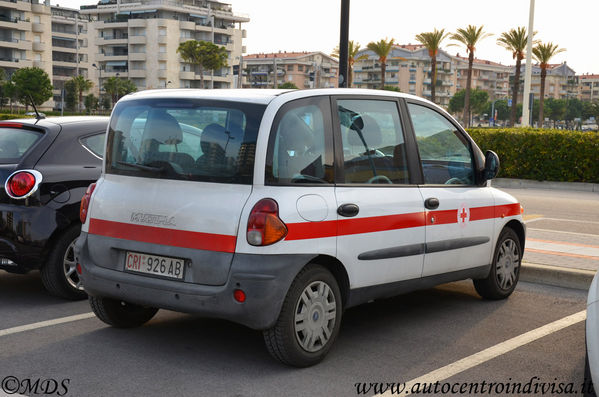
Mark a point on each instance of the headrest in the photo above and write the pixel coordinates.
(213, 134)
(294, 133)
(163, 128)
(9, 149)
(371, 132)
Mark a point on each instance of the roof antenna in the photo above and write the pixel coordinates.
(37, 115)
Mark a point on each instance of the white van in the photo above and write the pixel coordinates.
(280, 209)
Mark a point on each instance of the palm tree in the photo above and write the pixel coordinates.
(432, 42)
(515, 41)
(543, 52)
(81, 85)
(382, 48)
(352, 57)
(469, 37)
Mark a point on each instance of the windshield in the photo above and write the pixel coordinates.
(186, 139)
(14, 142)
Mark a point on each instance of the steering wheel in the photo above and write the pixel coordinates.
(454, 181)
(377, 178)
(374, 153)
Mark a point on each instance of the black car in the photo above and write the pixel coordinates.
(46, 166)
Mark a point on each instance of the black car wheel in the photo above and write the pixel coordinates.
(59, 273)
(309, 320)
(120, 314)
(505, 269)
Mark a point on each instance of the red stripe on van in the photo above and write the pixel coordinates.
(343, 227)
(163, 236)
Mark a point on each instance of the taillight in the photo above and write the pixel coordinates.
(264, 225)
(85, 202)
(22, 184)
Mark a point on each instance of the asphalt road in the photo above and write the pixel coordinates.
(562, 227)
(394, 340)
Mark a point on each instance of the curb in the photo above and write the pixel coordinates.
(510, 183)
(557, 276)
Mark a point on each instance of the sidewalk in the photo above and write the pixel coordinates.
(510, 183)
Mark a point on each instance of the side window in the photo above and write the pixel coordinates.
(95, 144)
(373, 142)
(297, 149)
(445, 153)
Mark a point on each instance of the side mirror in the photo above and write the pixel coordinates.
(491, 165)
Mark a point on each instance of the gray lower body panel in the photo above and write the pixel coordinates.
(265, 279)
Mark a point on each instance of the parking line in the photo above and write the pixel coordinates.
(499, 349)
(561, 243)
(558, 253)
(48, 323)
(561, 231)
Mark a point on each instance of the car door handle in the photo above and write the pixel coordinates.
(348, 210)
(431, 203)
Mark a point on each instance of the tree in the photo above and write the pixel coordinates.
(391, 88)
(3, 82)
(203, 54)
(32, 83)
(70, 97)
(515, 41)
(478, 102)
(469, 37)
(432, 42)
(543, 52)
(288, 86)
(574, 109)
(81, 85)
(117, 88)
(382, 48)
(352, 57)
(502, 109)
(556, 110)
(91, 103)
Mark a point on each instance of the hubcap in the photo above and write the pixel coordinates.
(508, 261)
(70, 267)
(315, 316)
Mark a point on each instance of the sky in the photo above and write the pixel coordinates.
(313, 25)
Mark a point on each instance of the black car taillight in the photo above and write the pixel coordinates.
(22, 184)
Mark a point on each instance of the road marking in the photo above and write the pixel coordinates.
(532, 218)
(494, 351)
(559, 231)
(561, 243)
(537, 251)
(43, 324)
(566, 220)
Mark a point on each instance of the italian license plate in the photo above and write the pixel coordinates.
(153, 264)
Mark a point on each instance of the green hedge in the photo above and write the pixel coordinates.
(543, 155)
(8, 116)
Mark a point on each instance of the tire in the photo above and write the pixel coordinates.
(120, 314)
(59, 273)
(314, 295)
(505, 269)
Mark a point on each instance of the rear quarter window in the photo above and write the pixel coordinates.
(95, 144)
(14, 142)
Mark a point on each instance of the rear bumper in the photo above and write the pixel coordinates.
(265, 279)
(24, 232)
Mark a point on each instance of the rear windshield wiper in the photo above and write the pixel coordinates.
(142, 166)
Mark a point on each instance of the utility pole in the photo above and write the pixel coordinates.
(274, 71)
(344, 44)
(528, 72)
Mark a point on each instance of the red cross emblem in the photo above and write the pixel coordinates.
(463, 215)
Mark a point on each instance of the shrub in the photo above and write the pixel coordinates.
(541, 154)
(8, 116)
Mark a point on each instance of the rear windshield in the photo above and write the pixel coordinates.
(187, 139)
(14, 142)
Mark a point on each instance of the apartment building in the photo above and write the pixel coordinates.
(492, 77)
(560, 83)
(588, 87)
(69, 50)
(138, 40)
(24, 27)
(304, 69)
(409, 69)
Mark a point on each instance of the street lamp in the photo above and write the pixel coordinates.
(99, 78)
(167, 83)
(343, 44)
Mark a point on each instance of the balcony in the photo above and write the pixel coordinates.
(38, 64)
(106, 74)
(114, 24)
(39, 47)
(162, 56)
(187, 25)
(112, 57)
(137, 56)
(137, 23)
(162, 39)
(137, 73)
(18, 5)
(113, 40)
(40, 8)
(37, 27)
(187, 75)
(140, 39)
(13, 63)
(162, 74)
(15, 23)
(25, 45)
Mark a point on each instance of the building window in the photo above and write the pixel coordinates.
(162, 65)
(37, 39)
(162, 48)
(36, 19)
(162, 31)
(300, 68)
(290, 68)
